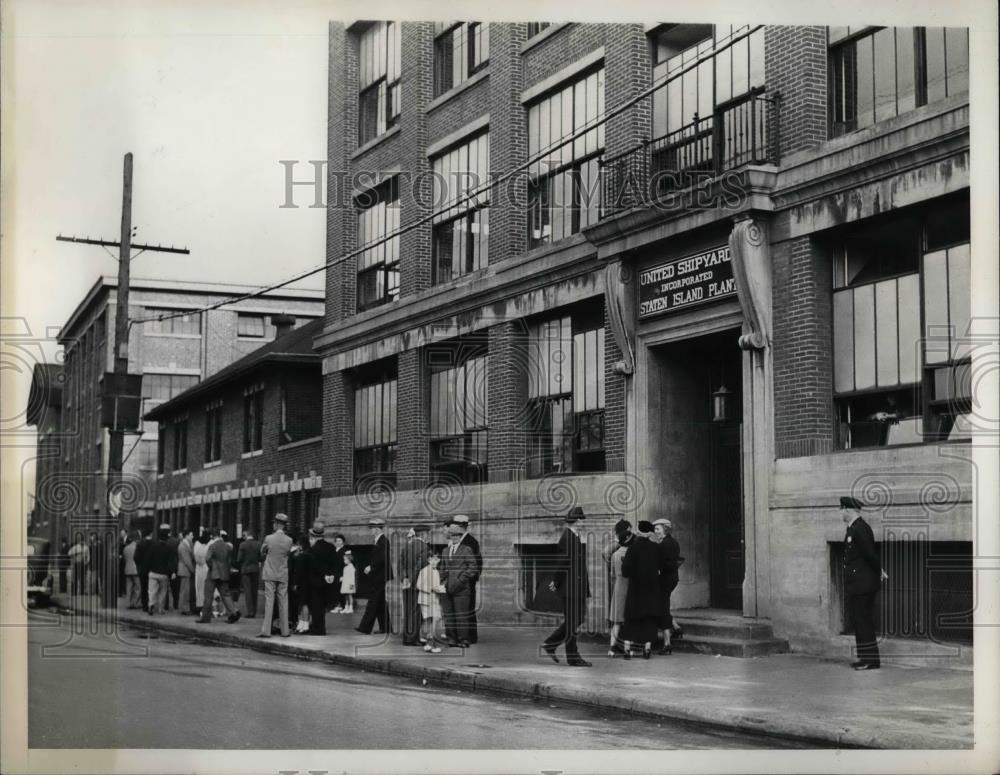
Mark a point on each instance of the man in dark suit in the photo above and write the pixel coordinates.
(862, 576)
(142, 565)
(412, 558)
(571, 583)
(173, 542)
(218, 559)
(248, 561)
(379, 573)
(318, 574)
(469, 540)
(457, 570)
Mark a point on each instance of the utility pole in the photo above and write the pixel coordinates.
(119, 377)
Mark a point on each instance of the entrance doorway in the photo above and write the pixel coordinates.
(696, 402)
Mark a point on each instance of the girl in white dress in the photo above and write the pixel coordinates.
(347, 582)
(200, 570)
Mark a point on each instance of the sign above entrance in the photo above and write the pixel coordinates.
(686, 282)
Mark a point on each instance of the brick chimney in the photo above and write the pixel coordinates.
(282, 324)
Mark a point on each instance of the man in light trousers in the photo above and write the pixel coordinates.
(274, 574)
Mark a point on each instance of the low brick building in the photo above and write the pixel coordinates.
(245, 443)
(737, 298)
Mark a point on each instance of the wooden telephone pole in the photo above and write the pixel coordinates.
(120, 374)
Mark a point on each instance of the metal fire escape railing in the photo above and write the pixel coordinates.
(737, 134)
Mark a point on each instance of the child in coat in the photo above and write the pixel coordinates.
(347, 583)
(428, 588)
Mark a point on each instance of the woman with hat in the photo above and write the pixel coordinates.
(670, 560)
(641, 566)
(614, 555)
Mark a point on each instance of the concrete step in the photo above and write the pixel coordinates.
(751, 629)
(732, 647)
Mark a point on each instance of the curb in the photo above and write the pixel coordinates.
(809, 731)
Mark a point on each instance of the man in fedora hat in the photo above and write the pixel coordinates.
(219, 561)
(470, 540)
(274, 574)
(457, 570)
(571, 583)
(379, 573)
(318, 573)
(412, 558)
(862, 576)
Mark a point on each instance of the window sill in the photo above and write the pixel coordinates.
(454, 91)
(212, 463)
(362, 150)
(300, 443)
(543, 36)
(252, 453)
(177, 471)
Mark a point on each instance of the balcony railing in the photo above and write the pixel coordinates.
(735, 135)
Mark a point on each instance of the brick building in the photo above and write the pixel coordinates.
(45, 414)
(732, 301)
(245, 443)
(171, 355)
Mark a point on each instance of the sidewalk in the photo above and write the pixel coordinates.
(786, 695)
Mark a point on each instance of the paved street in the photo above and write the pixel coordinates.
(100, 692)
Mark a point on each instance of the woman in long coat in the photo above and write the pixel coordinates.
(643, 605)
(619, 589)
(200, 550)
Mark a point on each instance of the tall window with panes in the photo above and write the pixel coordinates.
(378, 261)
(880, 72)
(702, 116)
(458, 419)
(901, 311)
(213, 432)
(375, 429)
(563, 184)
(461, 49)
(566, 394)
(253, 419)
(180, 443)
(378, 80)
(461, 232)
(184, 324)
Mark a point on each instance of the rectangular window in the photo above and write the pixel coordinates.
(900, 311)
(186, 324)
(461, 49)
(378, 265)
(375, 430)
(379, 69)
(157, 388)
(566, 395)
(458, 421)
(161, 447)
(536, 27)
(881, 72)
(180, 443)
(213, 432)
(253, 419)
(461, 232)
(563, 186)
(250, 325)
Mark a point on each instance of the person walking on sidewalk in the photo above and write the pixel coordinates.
(457, 569)
(643, 609)
(218, 558)
(429, 591)
(412, 558)
(469, 540)
(200, 551)
(571, 583)
(248, 561)
(173, 543)
(318, 576)
(379, 573)
(670, 562)
(79, 559)
(185, 570)
(863, 575)
(619, 589)
(274, 574)
(162, 566)
(142, 550)
(336, 602)
(133, 597)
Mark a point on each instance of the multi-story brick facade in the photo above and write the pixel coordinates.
(619, 377)
(171, 356)
(245, 443)
(45, 414)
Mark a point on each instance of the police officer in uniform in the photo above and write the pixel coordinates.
(862, 576)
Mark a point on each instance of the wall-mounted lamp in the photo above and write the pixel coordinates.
(722, 404)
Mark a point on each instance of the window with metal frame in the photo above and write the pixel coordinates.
(901, 309)
(461, 49)
(180, 429)
(536, 27)
(880, 72)
(378, 265)
(213, 432)
(459, 420)
(379, 68)
(375, 430)
(563, 185)
(253, 418)
(186, 324)
(461, 231)
(566, 395)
